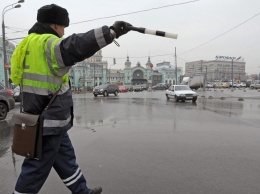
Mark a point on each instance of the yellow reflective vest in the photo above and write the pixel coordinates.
(37, 65)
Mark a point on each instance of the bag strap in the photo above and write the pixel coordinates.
(21, 95)
(52, 99)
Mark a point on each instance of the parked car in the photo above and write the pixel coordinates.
(181, 92)
(241, 85)
(144, 86)
(137, 88)
(160, 86)
(17, 94)
(106, 89)
(122, 88)
(6, 101)
(255, 86)
(222, 85)
(210, 85)
(129, 88)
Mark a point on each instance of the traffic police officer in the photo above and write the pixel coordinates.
(40, 64)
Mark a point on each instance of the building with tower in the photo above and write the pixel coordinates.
(94, 71)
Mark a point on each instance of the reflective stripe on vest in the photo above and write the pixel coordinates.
(42, 78)
(63, 69)
(45, 91)
(56, 123)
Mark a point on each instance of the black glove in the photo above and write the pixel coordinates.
(120, 28)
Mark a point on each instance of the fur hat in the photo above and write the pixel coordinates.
(53, 14)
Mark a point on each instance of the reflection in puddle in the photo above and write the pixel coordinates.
(100, 122)
(5, 137)
(114, 111)
(107, 111)
(228, 108)
(92, 122)
(89, 124)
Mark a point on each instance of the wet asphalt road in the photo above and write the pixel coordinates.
(141, 143)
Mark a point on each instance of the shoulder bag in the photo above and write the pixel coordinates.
(27, 137)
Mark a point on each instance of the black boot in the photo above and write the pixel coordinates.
(96, 190)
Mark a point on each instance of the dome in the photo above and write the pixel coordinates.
(127, 63)
(148, 64)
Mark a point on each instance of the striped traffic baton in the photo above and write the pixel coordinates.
(152, 32)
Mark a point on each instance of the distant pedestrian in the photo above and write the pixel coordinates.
(40, 64)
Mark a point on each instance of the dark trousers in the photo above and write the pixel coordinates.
(58, 153)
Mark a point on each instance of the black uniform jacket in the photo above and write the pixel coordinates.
(74, 48)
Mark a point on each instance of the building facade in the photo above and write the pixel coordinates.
(9, 51)
(93, 72)
(169, 73)
(221, 69)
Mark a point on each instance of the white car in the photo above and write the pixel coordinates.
(209, 85)
(240, 85)
(255, 86)
(181, 92)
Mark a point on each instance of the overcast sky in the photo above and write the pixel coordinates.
(205, 28)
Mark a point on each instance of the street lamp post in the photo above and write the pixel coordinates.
(151, 65)
(109, 73)
(14, 5)
(84, 78)
(94, 74)
(200, 73)
(259, 75)
(118, 76)
(232, 68)
(176, 68)
(232, 73)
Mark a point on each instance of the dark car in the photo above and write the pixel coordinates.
(160, 86)
(106, 89)
(6, 101)
(17, 94)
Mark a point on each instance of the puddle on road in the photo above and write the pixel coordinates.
(79, 121)
(145, 106)
(133, 108)
(6, 139)
(6, 135)
(228, 108)
(114, 111)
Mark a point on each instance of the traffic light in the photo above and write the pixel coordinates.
(114, 61)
